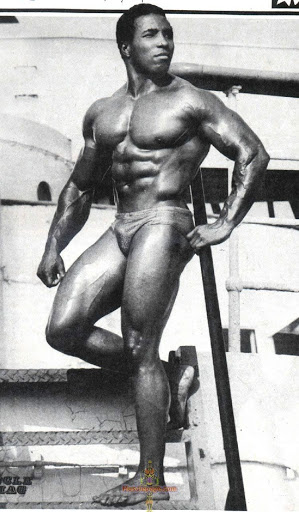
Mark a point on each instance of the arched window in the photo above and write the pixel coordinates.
(44, 191)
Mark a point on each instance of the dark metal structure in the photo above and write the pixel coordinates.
(236, 495)
(253, 81)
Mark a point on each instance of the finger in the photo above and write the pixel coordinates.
(60, 268)
(190, 235)
(196, 231)
(61, 273)
(51, 279)
(195, 241)
(44, 278)
(50, 283)
(58, 278)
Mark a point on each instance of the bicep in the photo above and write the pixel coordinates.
(84, 172)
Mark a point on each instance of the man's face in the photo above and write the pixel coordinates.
(152, 47)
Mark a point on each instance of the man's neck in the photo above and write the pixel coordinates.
(139, 84)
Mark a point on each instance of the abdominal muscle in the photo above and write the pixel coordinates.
(154, 178)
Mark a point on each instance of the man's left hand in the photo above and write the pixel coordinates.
(208, 234)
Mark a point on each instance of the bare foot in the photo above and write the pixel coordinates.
(120, 496)
(180, 382)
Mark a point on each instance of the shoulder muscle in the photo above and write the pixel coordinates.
(223, 127)
(92, 113)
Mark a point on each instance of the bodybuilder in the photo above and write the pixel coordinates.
(156, 130)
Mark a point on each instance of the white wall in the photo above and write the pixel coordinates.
(31, 153)
(265, 395)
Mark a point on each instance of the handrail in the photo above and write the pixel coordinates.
(279, 222)
(240, 284)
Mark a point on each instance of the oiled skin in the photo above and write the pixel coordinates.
(157, 142)
(156, 131)
(153, 161)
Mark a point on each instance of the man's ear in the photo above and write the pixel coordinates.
(126, 50)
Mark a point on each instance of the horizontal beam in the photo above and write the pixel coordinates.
(240, 284)
(253, 81)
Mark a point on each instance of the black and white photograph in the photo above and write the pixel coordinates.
(149, 269)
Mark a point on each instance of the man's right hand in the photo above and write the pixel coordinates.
(51, 269)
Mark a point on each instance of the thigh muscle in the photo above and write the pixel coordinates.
(157, 257)
(93, 285)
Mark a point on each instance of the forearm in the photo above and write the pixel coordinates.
(248, 176)
(72, 212)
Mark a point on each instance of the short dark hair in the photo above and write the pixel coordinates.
(125, 27)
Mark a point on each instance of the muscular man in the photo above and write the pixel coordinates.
(156, 129)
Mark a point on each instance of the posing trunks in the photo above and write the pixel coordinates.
(126, 225)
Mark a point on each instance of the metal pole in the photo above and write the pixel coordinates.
(236, 496)
(3, 350)
(234, 337)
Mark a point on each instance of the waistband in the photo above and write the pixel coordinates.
(152, 211)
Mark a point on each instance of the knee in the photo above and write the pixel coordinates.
(54, 336)
(133, 342)
(61, 338)
(139, 350)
